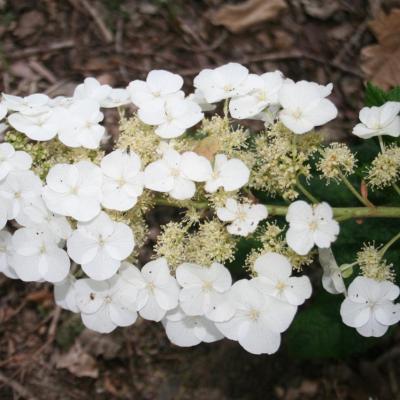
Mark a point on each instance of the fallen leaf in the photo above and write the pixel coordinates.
(239, 17)
(208, 147)
(381, 62)
(97, 344)
(29, 23)
(321, 9)
(78, 362)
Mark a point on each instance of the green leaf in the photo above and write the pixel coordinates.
(375, 96)
(394, 94)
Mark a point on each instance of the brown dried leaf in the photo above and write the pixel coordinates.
(29, 23)
(239, 17)
(381, 62)
(78, 362)
(208, 147)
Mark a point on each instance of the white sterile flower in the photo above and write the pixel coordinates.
(265, 92)
(230, 174)
(122, 180)
(157, 291)
(33, 104)
(79, 125)
(172, 116)
(159, 84)
(186, 331)
(259, 319)
(309, 226)
(36, 214)
(11, 160)
(199, 98)
(3, 214)
(205, 291)
(37, 256)
(18, 190)
(100, 245)
(176, 173)
(74, 190)
(332, 279)
(116, 98)
(105, 305)
(304, 105)
(6, 253)
(226, 81)
(40, 127)
(65, 294)
(369, 306)
(383, 120)
(92, 89)
(3, 109)
(274, 278)
(244, 218)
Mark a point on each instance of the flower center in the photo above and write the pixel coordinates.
(241, 215)
(228, 88)
(175, 172)
(297, 114)
(280, 286)
(207, 286)
(254, 314)
(151, 286)
(108, 299)
(313, 226)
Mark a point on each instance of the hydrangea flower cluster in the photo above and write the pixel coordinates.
(76, 217)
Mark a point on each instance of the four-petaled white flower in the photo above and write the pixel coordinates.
(74, 190)
(186, 331)
(100, 245)
(224, 82)
(229, 174)
(92, 89)
(259, 319)
(122, 180)
(309, 226)
(18, 190)
(6, 252)
(65, 294)
(304, 105)
(274, 278)
(375, 121)
(172, 116)
(36, 256)
(205, 291)
(176, 173)
(159, 84)
(11, 160)
(105, 305)
(33, 104)
(265, 92)
(332, 279)
(369, 306)
(79, 126)
(244, 218)
(157, 291)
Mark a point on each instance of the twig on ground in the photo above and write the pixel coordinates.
(42, 71)
(17, 387)
(30, 51)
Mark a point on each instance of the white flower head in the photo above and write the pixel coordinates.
(205, 291)
(37, 256)
(33, 104)
(309, 226)
(3, 109)
(105, 305)
(92, 89)
(224, 82)
(18, 190)
(369, 306)
(116, 98)
(159, 84)
(265, 92)
(229, 174)
(80, 124)
(172, 116)
(6, 253)
(176, 173)
(244, 218)
(274, 278)
(305, 106)
(332, 279)
(122, 180)
(259, 319)
(65, 294)
(100, 245)
(186, 331)
(11, 160)
(383, 120)
(74, 190)
(157, 291)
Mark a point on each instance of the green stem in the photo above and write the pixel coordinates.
(381, 144)
(226, 108)
(181, 204)
(396, 188)
(385, 248)
(306, 193)
(353, 190)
